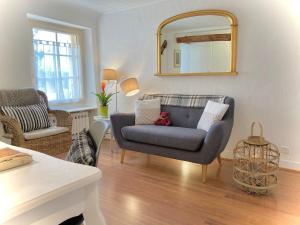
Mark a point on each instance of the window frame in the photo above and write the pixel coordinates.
(57, 28)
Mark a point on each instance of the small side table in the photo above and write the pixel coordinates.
(109, 131)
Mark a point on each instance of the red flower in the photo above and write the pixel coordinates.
(103, 86)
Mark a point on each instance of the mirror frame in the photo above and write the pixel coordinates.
(234, 26)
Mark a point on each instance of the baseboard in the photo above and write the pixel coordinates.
(288, 164)
(283, 163)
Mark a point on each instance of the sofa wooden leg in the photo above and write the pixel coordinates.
(219, 159)
(204, 171)
(122, 155)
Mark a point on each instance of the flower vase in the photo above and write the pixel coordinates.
(103, 111)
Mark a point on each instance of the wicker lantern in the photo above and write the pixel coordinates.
(255, 165)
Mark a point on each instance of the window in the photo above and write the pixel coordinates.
(57, 65)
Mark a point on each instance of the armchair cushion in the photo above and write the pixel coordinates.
(35, 134)
(173, 137)
(31, 117)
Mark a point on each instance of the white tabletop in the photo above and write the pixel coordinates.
(46, 178)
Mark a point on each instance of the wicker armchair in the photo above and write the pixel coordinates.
(50, 144)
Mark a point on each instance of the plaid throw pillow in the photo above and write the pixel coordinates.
(31, 117)
(83, 150)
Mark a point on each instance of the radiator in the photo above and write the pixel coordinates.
(80, 121)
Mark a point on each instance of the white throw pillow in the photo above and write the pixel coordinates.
(147, 111)
(213, 112)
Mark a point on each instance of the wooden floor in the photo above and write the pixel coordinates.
(159, 191)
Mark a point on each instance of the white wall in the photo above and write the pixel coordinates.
(16, 70)
(267, 87)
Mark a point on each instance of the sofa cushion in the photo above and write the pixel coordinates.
(183, 116)
(44, 132)
(173, 137)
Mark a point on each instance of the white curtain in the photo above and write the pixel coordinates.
(57, 70)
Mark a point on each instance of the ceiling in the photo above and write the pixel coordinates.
(110, 6)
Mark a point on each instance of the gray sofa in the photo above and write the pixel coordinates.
(181, 140)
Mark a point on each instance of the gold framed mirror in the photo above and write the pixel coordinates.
(202, 42)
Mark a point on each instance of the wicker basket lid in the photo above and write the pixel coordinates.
(256, 140)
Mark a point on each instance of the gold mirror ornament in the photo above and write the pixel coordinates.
(202, 42)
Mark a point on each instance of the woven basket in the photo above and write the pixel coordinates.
(255, 164)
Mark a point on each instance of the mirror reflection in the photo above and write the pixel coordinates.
(198, 44)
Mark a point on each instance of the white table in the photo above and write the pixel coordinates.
(109, 131)
(49, 191)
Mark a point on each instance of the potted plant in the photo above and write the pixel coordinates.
(104, 99)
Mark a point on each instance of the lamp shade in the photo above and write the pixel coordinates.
(110, 74)
(130, 86)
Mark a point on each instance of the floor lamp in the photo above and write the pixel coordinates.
(112, 75)
(130, 86)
